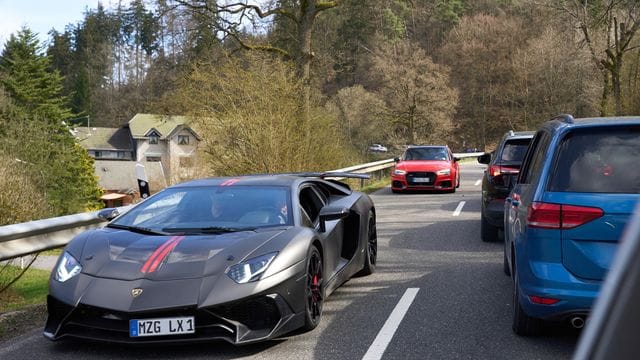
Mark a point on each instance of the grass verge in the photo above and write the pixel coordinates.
(31, 289)
(376, 185)
(22, 306)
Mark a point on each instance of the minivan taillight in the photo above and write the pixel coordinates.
(496, 173)
(560, 216)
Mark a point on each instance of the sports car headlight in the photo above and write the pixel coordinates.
(68, 268)
(399, 172)
(251, 269)
(444, 172)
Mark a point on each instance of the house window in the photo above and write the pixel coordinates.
(153, 158)
(183, 139)
(153, 139)
(97, 154)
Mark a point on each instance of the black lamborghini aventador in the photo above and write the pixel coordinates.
(240, 259)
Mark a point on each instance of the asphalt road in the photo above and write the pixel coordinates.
(428, 243)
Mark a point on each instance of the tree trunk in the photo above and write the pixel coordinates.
(604, 101)
(616, 83)
(304, 56)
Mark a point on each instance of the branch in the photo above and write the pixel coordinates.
(241, 7)
(13, 281)
(324, 5)
(267, 48)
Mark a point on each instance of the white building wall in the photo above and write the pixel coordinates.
(177, 151)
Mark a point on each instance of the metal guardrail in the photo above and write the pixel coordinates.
(34, 236)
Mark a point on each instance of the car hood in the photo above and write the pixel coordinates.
(423, 165)
(123, 255)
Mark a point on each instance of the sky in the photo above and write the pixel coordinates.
(43, 15)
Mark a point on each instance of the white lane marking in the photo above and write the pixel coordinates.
(478, 182)
(389, 328)
(457, 211)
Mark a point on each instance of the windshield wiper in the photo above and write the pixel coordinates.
(208, 230)
(139, 230)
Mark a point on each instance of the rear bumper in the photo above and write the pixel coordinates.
(552, 280)
(493, 212)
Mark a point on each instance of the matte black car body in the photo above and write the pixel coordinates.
(502, 170)
(332, 229)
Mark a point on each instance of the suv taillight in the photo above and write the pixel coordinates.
(559, 216)
(496, 173)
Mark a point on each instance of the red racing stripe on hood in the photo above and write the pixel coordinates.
(160, 253)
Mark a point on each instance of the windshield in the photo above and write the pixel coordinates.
(427, 153)
(211, 209)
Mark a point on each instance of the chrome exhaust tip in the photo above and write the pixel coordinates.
(577, 322)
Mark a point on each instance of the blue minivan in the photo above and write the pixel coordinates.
(577, 188)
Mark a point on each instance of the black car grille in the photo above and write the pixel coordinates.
(413, 175)
(97, 323)
(260, 313)
(257, 313)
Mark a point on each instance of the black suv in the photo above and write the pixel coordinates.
(504, 165)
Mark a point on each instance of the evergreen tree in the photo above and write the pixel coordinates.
(34, 130)
(28, 79)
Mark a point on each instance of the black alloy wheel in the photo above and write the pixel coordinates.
(371, 256)
(314, 295)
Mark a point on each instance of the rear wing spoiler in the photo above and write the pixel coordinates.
(331, 174)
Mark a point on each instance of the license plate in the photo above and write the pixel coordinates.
(162, 326)
(421, 180)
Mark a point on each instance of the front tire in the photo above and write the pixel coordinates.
(314, 292)
(371, 251)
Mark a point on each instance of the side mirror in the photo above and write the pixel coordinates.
(484, 159)
(108, 214)
(329, 213)
(396, 159)
(456, 159)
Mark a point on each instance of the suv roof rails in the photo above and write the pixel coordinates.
(567, 118)
(511, 133)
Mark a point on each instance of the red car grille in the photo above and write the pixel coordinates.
(413, 176)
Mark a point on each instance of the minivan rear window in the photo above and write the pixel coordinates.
(598, 160)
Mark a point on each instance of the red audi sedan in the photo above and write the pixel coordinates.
(426, 168)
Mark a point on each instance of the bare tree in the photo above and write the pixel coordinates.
(242, 109)
(419, 100)
(478, 51)
(608, 28)
(359, 112)
(233, 16)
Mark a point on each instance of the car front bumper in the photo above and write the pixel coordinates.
(272, 312)
(436, 182)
